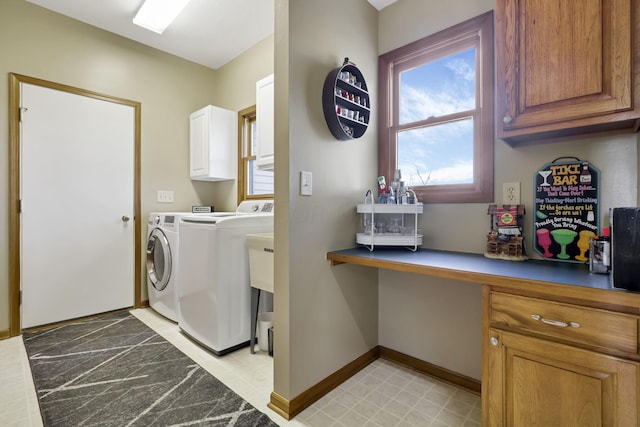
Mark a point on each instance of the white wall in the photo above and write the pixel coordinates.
(463, 227)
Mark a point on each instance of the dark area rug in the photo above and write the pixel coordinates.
(116, 371)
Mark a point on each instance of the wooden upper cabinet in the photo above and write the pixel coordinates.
(567, 68)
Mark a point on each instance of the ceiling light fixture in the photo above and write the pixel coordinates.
(156, 15)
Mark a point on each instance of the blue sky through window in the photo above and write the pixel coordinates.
(441, 153)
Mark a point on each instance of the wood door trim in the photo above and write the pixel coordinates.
(14, 188)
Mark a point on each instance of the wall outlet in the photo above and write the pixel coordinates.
(511, 193)
(164, 196)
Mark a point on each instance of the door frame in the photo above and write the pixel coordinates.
(14, 188)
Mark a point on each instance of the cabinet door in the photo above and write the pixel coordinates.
(535, 382)
(199, 144)
(213, 136)
(265, 151)
(565, 67)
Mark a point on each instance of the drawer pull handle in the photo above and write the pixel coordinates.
(555, 322)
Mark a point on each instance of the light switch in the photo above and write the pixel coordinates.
(164, 196)
(306, 183)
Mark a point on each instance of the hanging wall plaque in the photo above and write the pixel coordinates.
(566, 209)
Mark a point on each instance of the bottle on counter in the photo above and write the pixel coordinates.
(383, 190)
(600, 253)
(606, 247)
(396, 185)
(391, 200)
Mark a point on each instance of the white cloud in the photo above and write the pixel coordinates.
(462, 69)
(419, 104)
(417, 171)
(418, 174)
(437, 88)
(441, 154)
(461, 172)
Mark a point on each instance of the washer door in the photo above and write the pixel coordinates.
(158, 259)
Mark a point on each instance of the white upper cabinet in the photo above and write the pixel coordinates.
(265, 153)
(213, 138)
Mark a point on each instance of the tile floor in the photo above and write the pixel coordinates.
(381, 395)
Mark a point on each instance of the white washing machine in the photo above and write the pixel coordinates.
(162, 262)
(215, 293)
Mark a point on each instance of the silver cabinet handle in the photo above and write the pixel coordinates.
(507, 119)
(494, 341)
(125, 218)
(555, 322)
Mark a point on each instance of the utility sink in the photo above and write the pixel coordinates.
(261, 260)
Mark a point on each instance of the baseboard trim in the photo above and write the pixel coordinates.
(279, 405)
(69, 321)
(288, 409)
(4, 334)
(426, 368)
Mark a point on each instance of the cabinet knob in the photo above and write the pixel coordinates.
(494, 341)
(125, 218)
(507, 119)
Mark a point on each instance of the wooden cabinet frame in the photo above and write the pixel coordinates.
(567, 68)
(538, 377)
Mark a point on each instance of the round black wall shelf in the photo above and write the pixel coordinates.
(345, 102)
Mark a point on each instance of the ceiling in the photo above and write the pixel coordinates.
(207, 32)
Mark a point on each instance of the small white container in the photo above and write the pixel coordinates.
(265, 321)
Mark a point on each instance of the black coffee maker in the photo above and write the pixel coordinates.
(625, 248)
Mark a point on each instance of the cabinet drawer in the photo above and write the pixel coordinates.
(569, 322)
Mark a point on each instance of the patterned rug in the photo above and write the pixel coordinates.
(116, 371)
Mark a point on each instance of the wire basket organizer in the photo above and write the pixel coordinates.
(389, 224)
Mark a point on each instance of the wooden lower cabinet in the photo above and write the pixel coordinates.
(536, 382)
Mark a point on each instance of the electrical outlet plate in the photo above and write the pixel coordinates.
(164, 196)
(511, 193)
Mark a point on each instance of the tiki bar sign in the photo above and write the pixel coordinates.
(566, 210)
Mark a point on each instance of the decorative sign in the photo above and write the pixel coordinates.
(566, 210)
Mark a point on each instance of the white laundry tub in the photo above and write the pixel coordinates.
(260, 247)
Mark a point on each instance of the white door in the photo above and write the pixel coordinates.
(77, 184)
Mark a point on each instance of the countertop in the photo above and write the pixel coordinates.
(535, 275)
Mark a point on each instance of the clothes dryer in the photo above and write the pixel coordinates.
(215, 293)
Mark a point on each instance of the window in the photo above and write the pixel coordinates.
(252, 183)
(436, 113)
